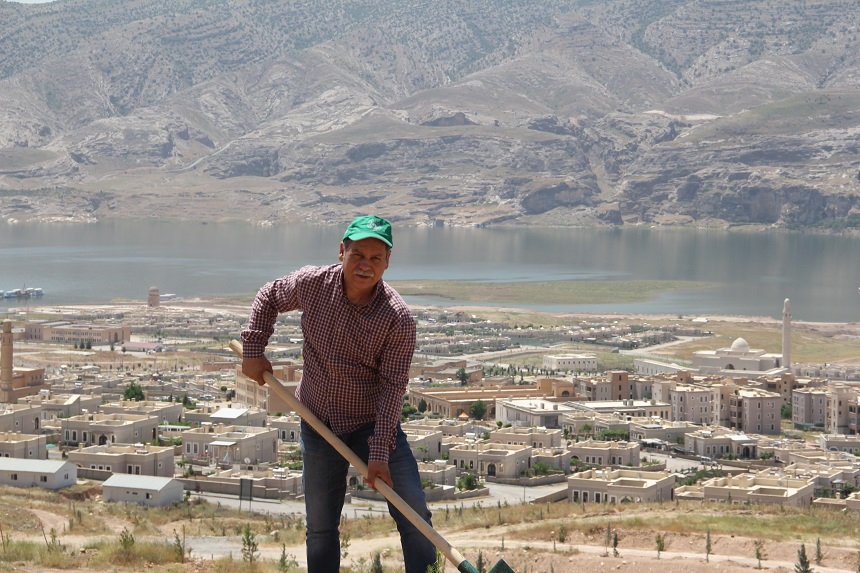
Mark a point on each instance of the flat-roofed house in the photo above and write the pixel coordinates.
(491, 460)
(606, 453)
(147, 490)
(47, 474)
(751, 488)
(23, 418)
(136, 459)
(25, 446)
(619, 485)
(225, 444)
(166, 412)
(100, 429)
(288, 427)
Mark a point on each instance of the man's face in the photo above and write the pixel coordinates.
(364, 262)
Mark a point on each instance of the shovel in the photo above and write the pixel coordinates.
(446, 548)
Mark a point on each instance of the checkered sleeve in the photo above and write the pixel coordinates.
(394, 376)
(273, 298)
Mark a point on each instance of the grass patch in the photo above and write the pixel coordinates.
(544, 292)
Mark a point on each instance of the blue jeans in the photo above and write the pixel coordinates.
(324, 482)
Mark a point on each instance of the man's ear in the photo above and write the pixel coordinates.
(340, 254)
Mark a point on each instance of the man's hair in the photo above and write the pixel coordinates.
(348, 242)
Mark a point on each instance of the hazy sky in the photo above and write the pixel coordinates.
(31, 1)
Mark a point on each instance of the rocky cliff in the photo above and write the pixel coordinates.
(553, 112)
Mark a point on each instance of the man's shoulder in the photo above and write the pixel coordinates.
(316, 272)
(395, 301)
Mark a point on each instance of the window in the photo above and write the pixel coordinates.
(14, 477)
(43, 479)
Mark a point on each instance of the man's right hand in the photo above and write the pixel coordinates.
(254, 368)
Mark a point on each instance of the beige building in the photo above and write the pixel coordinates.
(24, 418)
(438, 472)
(691, 404)
(24, 446)
(616, 385)
(101, 429)
(809, 407)
(536, 412)
(226, 413)
(716, 442)
(448, 427)
(227, 445)
(536, 437)
(451, 403)
(571, 362)
(166, 412)
(656, 430)
(491, 460)
(426, 445)
(738, 357)
(268, 483)
(619, 486)
(16, 383)
(136, 459)
(603, 453)
(840, 397)
(756, 411)
(441, 370)
(66, 332)
(251, 394)
(55, 407)
(839, 443)
(288, 427)
(751, 488)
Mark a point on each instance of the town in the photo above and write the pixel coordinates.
(145, 399)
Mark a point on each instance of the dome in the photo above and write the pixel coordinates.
(741, 345)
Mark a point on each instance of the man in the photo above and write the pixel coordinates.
(359, 339)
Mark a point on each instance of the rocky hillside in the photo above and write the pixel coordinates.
(710, 112)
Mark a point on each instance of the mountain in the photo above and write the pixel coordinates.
(706, 112)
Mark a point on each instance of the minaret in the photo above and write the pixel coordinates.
(6, 369)
(786, 335)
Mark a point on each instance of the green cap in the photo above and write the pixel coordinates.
(369, 227)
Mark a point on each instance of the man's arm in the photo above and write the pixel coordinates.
(272, 299)
(393, 376)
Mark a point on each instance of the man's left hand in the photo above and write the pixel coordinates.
(378, 470)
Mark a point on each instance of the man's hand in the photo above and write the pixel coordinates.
(378, 470)
(254, 368)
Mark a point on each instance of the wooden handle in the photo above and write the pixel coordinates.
(446, 548)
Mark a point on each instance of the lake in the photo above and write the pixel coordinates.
(751, 273)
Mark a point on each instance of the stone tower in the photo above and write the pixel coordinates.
(786, 335)
(154, 297)
(6, 368)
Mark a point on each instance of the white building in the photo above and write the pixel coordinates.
(47, 474)
(147, 490)
(573, 362)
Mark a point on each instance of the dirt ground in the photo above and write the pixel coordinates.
(580, 552)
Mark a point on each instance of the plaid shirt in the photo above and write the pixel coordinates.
(356, 358)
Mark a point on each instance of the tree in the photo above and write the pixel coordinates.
(759, 551)
(478, 409)
(467, 482)
(660, 541)
(818, 554)
(802, 565)
(133, 392)
(249, 544)
(708, 545)
(422, 405)
(462, 376)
